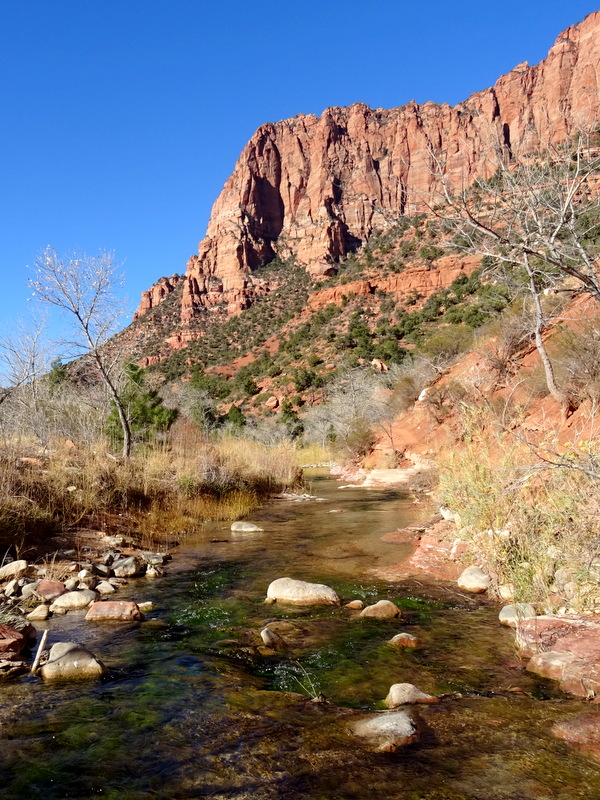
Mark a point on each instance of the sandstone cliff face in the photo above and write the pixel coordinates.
(156, 294)
(317, 187)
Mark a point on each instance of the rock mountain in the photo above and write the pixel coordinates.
(318, 187)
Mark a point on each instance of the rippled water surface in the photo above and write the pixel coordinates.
(192, 708)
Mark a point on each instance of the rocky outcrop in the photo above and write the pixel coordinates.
(316, 187)
(156, 294)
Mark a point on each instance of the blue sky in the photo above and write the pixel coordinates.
(121, 119)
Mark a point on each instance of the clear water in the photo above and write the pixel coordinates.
(190, 708)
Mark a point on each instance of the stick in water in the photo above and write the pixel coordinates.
(40, 650)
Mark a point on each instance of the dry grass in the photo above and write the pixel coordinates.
(525, 521)
(168, 489)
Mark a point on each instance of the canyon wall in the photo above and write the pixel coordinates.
(316, 187)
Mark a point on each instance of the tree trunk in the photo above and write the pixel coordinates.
(553, 387)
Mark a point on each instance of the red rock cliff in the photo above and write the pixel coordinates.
(318, 186)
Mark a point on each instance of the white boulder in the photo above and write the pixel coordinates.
(301, 593)
(474, 580)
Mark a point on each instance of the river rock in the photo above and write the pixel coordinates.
(245, 527)
(104, 588)
(403, 693)
(582, 731)
(41, 612)
(29, 589)
(114, 611)
(289, 590)
(11, 641)
(12, 588)
(50, 590)
(474, 580)
(71, 584)
(386, 732)
(507, 591)
(127, 567)
(14, 569)
(357, 605)
(406, 640)
(157, 559)
(78, 599)
(70, 661)
(272, 639)
(514, 614)
(384, 609)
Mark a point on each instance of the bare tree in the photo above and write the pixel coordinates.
(538, 215)
(83, 288)
(24, 356)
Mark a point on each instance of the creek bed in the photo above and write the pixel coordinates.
(191, 709)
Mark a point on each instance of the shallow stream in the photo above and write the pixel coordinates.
(190, 708)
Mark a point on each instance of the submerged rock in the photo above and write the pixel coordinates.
(474, 579)
(582, 731)
(245, 527)
(70, 661)
(404, 693)
(386, 732)
(114, 611)
(289, 590)
(406, 640)
(384, 609)
(355, 604)
(512, 615)
(272, 639)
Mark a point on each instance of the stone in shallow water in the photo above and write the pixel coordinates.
(582, 731)
(289, 590)
(386, 732)
(114, 611)
(70, 661)
(41, 612)
(127, 567)
(272, 639)
(401, 693)
(474, 580)
(384, 609)
(245, 527)
(406, 640)
(70, 600)
(355, 604)
(513, 614)
(11, 641)
(104, 587)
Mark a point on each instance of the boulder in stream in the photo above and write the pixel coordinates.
(384, 609)
(128, 567)
(406, 640)
(40, 612)
(301, 593)
(513, 615)
(386, 732)
(245, 527)
(114, 611)
(405, 693)
(77, 599)
(355, 605)
(11, 641)
(70, 661)
(474, 579)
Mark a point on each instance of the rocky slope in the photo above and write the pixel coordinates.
(318, 187)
